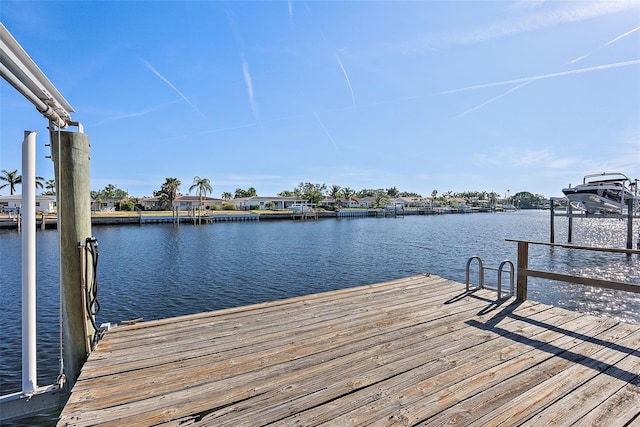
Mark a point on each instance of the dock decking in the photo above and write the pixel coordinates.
(413, 351)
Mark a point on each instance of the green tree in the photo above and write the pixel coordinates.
(348, 193)
(527, 200)
(39, 182)
(368, 192)
(109, 191)
(168, 192)
(334, 192)
(314, 193)
(409, 194)
(382, 199)
(128, 204)
(227, 195)
(393, 192)
(50, 185)
(240, 193)
(202, 187)
(11, 178)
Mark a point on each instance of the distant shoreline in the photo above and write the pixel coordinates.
(184, 217)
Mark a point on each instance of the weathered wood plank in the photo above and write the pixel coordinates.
(522, 407)
(375, 374)
(221, 326)
(423, 392)
(494, 398)
(414, 350)
(272, 336)
(622, 406)
(261, 360)
(570, 408)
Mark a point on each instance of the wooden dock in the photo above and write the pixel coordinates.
(414, 351)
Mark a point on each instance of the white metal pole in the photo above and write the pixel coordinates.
(28, 210)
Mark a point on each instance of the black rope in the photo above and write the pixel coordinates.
(91, 288)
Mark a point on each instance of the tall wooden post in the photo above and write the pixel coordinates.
(70, 154)
(570, 230)
(523, 264)
(552, 237)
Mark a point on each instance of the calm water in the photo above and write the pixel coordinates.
(163, 270)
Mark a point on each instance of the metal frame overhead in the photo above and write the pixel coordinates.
(19, 70)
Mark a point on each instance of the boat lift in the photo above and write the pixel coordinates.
(632, 212)
(69, 153)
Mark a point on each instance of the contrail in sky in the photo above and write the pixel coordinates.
(154, 71)
(245, 66)
(353, 98)
(495, 98)
(325, 130)
(247, 80)
(544, 76)
(136, 114)
(621, 36)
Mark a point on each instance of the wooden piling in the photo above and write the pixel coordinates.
(570, 230)
(552, 237)
(70, 154)
(523, 264)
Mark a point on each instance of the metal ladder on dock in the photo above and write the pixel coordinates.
(500, 270)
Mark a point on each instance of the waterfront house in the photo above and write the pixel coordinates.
(356, 202)
(265, 202)
(183, 203)
(13, 204)
(107, 204)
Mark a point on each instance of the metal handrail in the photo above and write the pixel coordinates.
(500, 270)
(511, 277)
(480, 272)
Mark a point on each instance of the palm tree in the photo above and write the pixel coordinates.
(50, 185)
(12, 178)
(382, 199)
(202, 186)
(170, 190)
(334, 192)
(348, 193)
(227, 196)
(39, 182)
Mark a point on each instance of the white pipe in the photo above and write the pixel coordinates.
(43, 108)
(28, 211)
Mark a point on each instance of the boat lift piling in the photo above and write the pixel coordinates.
(570, 215)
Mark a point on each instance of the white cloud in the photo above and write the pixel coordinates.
(520, 20)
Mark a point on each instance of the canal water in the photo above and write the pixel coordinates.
(164, 270)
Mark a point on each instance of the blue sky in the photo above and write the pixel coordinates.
(423, 96)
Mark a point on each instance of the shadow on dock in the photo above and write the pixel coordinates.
(413, 351)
